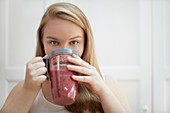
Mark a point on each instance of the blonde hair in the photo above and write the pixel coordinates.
(86, 99)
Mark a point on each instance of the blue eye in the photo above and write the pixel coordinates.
(54, 43)
(73, 42)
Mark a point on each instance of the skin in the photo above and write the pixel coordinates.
(60, 33)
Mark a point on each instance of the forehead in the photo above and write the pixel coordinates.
(62, 27)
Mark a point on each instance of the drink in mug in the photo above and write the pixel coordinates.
(64, 88)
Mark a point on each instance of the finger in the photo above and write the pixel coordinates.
(38, 65)
(39, 71)
(85, 79)
(80, 69)
(75, 56)
(40, 79)
(36, 59)
(78, 61)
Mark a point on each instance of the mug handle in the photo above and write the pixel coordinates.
(46, 61)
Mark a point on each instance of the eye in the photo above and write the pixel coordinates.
(74, 42)
(54, 43)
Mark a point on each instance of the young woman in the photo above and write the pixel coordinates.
(64, 25)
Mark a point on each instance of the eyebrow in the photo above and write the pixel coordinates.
(55, 38)
(75, 37)
(50, 37)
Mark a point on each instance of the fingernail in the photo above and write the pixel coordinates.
(68, 57)
(74, 55)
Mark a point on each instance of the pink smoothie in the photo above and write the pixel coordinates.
(64, 89)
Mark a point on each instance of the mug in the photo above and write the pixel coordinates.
(63, 88)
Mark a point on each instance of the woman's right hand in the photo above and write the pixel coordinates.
(35, 70)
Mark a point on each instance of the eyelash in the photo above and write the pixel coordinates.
(56, 43)
(74, 41)
(53, 43)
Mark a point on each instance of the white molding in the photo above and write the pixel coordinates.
(167, 96)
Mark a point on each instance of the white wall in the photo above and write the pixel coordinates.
(161, 56)
(132, 43)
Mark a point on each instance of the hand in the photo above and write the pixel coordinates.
(90, 75)
(35, 69)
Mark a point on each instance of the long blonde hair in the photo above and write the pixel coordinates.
(86, 99)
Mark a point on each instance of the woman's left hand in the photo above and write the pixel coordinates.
(89, 74)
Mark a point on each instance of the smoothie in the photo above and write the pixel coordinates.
(64, 88)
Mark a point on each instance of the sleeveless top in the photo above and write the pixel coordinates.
(41, 105)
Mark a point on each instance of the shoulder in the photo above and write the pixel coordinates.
(115, 86)
(110, 80)
(118, 90)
